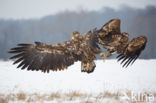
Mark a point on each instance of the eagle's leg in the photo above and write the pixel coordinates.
(87, 66)
(103, 55)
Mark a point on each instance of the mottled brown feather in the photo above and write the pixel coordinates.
(115, 42)
(42, 57)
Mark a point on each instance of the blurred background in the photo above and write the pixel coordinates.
(53, 21)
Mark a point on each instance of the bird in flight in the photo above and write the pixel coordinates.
(84, 48)
(115, 42)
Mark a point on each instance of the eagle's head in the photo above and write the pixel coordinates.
(76, 35)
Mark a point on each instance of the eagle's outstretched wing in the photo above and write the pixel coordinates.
(40, 56)
(115, 42)
(44, 57)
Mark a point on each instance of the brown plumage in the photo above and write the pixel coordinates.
(116, 42)
(40, 56)
(43, 57)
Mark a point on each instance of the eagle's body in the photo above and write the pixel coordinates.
(58, 56)
(40, 56)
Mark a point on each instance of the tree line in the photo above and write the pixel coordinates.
(58, 28)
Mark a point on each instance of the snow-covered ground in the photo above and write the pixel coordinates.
(108, 76)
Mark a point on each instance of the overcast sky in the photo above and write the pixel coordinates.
(25, 9)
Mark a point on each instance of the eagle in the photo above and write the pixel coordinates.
(81, 47)
(115, 42)
(44, 57)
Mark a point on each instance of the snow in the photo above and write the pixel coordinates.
(108, 76)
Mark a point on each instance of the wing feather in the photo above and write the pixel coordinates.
(118, 42)
(43, 57)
